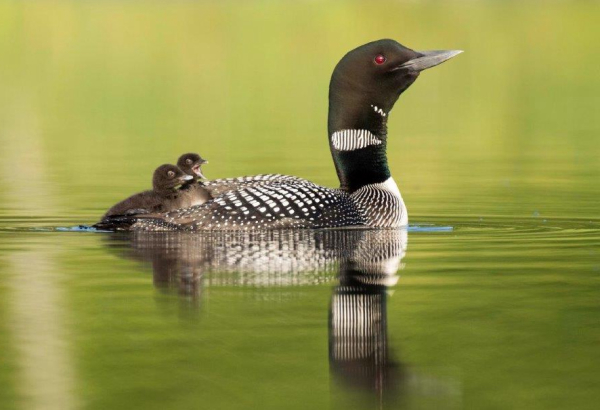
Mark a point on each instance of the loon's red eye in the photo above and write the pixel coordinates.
(380, 59)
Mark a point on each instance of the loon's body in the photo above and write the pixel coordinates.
(364, 87)
(164, 196)
(279, 204)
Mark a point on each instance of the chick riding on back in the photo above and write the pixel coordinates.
(165, 195)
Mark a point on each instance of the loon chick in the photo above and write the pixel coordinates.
(191, 163)
(164, 196)
(194, 189)
(364, 87)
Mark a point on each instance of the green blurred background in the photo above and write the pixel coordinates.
(502, 143)
(106, 91)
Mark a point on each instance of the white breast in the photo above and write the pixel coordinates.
(382, 205)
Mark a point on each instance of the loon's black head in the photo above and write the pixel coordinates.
(365, 85)
(168, 177)
(191, 164)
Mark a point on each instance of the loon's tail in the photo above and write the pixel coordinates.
(152, 222)
(116, 223)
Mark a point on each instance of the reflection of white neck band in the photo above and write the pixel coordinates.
(349, 140)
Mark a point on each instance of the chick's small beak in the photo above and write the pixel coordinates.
(198, 171)
(186, 177)
(428, 59)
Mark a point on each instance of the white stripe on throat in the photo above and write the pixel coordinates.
(349, 140)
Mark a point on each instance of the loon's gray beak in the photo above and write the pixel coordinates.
(429, 59)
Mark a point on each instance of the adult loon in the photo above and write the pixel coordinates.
(164, 196)
(364, 87)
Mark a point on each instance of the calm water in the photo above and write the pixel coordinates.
(491, 300)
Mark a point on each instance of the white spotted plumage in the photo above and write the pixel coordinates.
(280, 204)
(288, 204)
(219, 186)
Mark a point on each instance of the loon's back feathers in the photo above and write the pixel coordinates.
(280, 203)
(218, 187)
(200, 192)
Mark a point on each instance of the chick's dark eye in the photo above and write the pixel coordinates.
(171, 174)
(189, 161)
(380, 59)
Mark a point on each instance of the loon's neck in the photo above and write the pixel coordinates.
(358, 141)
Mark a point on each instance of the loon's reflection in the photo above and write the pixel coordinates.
(359, 354)
(269, 258)
(365, 261)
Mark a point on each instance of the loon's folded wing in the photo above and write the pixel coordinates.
(218, 187)
(267, 206)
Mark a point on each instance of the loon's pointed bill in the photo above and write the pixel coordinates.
(429, 59)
